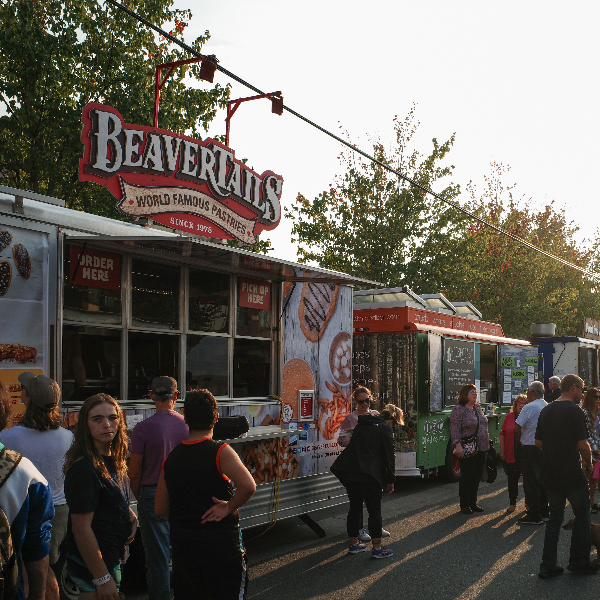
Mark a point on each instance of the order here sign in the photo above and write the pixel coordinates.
(95, 268)
(255, 293)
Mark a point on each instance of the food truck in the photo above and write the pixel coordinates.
(105, 306)
(564, 355)
(417, 352)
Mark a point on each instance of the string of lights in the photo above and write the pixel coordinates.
(354, 148)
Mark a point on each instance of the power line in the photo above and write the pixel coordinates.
(354, 148)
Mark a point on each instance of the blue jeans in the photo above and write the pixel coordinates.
(581, 540)
(155, 537)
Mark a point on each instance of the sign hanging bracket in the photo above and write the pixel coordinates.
(207, 72)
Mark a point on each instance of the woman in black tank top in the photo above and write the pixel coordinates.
(195, 491)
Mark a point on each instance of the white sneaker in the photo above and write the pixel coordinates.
(363, 535)
(385, 533)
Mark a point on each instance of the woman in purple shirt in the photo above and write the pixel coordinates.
(466, 419)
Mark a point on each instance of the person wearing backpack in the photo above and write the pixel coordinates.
(44, 442)
(26, 512)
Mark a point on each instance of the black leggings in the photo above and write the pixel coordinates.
(370, 494)
(470, 475)
(513, 475)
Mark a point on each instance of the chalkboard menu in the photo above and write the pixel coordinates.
(459, 367)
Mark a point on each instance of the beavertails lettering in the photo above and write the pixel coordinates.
(153, 171)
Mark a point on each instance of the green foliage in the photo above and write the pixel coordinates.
(58, 56)
(511, 284)
(370, 225)
(261, 246)
(373, 225)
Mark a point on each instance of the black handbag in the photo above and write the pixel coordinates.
(227, 428)
(490, 464)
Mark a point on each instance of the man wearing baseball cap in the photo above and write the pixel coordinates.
(151, 442)
(44, 442)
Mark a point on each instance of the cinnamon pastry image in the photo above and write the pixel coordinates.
(5, 276)
(317, 305)
(5, 239)
(22, 260)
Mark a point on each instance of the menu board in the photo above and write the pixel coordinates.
(459, 367)
(518, 370)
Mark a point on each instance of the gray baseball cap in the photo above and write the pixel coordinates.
(43, 391)
(163, 385)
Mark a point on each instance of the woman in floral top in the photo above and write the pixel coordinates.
(590, 409)
(466, 420)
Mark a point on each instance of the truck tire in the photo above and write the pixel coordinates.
(451, 466)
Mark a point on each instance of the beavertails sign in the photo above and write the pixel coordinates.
(186, 184)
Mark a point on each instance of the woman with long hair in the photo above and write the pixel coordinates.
(101, 523)
(511, 451)
(589, 406)
(470, 440)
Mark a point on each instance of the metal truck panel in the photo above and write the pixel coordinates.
(291, 498)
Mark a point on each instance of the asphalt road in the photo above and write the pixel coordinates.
(438, 553)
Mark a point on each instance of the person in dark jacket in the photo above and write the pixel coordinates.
(365, 468)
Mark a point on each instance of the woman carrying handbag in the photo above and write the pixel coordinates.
(470, 440)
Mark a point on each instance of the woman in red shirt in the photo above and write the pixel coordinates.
(510, 451)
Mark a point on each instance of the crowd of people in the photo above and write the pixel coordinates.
(57, 486)
(554, 445)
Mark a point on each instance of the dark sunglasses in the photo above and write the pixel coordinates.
(363, 401)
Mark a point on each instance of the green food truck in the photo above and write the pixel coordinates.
(417, 352)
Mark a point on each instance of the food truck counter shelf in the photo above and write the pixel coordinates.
(267, 432)
(246, 401)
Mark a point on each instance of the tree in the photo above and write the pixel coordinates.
(511, 284)
(58, 56)
(374, 225)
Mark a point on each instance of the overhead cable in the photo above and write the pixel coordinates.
(354, 148)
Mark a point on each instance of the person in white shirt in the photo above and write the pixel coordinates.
(536, 498)
(44, 442)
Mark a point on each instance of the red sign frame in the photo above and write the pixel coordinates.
(196, 186)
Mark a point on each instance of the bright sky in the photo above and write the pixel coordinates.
(516, 81)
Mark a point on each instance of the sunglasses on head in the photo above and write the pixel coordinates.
(367, 401)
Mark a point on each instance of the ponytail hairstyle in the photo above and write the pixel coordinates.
(391, 412)
(83, 445)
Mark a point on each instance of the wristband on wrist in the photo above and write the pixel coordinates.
(101, 580)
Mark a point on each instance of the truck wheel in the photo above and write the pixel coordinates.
(451, 466)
